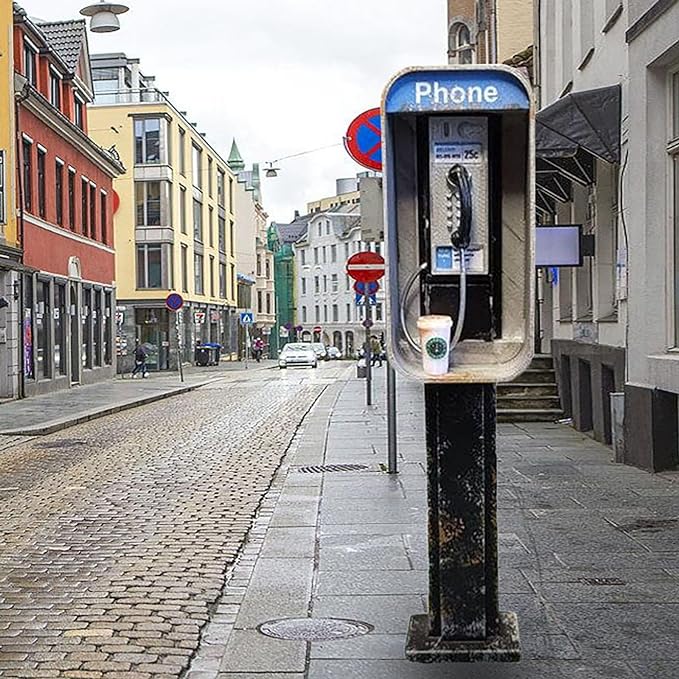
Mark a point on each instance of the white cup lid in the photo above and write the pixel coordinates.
(434, 322)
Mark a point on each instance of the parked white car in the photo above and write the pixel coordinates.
(334, 353)
(297, 354)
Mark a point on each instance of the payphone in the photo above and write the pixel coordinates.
(457, 149)
(460, 218)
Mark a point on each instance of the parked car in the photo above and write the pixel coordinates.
(297, 354)
(321, 351)
(334, 353)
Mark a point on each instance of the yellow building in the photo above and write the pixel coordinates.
(347, 194)
(174, 227)
(10, 253)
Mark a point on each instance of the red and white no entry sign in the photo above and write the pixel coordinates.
(366, 267)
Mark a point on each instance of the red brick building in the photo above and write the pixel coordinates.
(66, 211)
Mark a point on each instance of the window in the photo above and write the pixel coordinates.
(197, 220)
(230, 195)
(104, 218)
(259, 302)
(222, 281)
(182, 152)
(317, 313)
(42, 189)
(182, 208)
(325, 313)
(71, 199)
(79, 113)
(221, 234)
(232, 239)
(320, 229)
(325, 258)
(268, 302)
(346, 251)
(327, 228)
(325, 284)
(197, 166)
(303, 256)
(27, 156)
(317, 283)
(93, 211)
(211, 226)
(96, 343)
(348, 313)
(267, 268)
(59, 191)
(212, 276)
(198, 273)
(85, 209)
(333, 253)
(153, 261)
(304, 315)
(460, 48)
(55, 90)
(147, 141)
(107, 328)
(378, 311)
(334, 285)
(315, 255)
(147, 197)
(3, 196)
(185, 268)
(220, 188)
(209, 177)
(335, 313)
(347, 283)
(259, 265)
(304, 286)
(233, 280)
(87, 328)
(30, 69)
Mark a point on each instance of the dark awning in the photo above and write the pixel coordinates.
(588, 120)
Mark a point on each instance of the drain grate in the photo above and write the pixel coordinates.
(603, 582)
(314, 629)
(320, 468)
(62, 443)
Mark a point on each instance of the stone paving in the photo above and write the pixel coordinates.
(588, 553)
(115, 537)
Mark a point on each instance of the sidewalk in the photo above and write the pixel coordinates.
(588, 553)
(39, 415)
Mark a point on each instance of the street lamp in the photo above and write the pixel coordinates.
(272, 171)
(104, 16)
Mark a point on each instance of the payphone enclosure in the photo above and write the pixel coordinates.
(441, 124)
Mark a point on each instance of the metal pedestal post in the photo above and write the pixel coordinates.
(392, 446)
(463, 623)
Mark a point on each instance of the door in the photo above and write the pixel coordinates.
(75, 342)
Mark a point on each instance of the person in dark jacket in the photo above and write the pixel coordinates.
(140, 357)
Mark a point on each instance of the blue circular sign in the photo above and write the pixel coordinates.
(174, 301)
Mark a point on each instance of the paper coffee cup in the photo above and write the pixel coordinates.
(435, 343)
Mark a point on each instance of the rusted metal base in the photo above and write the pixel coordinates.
(464, 622)
(503, 646)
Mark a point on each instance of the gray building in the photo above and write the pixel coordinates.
(608, 158)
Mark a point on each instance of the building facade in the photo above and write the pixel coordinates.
(612, 322)
(65, 198)
(11, 352)
(174, 222)
(325, 298)
(488, 31)
(254, 259)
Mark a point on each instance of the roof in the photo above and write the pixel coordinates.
(235, 161)
(292, 232)
(66, 38)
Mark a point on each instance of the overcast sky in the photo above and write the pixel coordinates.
(282, 76)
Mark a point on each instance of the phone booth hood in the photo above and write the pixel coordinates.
(502, 97)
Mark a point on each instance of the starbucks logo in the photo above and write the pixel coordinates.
(436, 347)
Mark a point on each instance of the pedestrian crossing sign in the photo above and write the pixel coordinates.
(247, 318)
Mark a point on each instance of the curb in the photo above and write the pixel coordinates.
(59, 425)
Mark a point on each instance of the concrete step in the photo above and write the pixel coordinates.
(525, 389)
(535, 376)
(528, 402)
(521, 415)
(542, 361)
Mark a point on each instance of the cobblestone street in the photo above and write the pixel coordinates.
(116, 534)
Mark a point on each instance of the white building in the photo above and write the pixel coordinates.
(608, 158)
(325, 296)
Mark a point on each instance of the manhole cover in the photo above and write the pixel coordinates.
(603, 582)
(314, 629)
(63, 443)
(318, 469)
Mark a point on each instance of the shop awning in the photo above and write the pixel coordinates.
(581, 121)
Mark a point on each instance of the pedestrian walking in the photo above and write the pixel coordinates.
(258, 348)
(140, 357)
(376, 351)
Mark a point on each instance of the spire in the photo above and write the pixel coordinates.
(235, 161)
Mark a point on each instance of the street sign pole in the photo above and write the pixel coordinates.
(179, 346)
(368, 355)
(392, 446)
